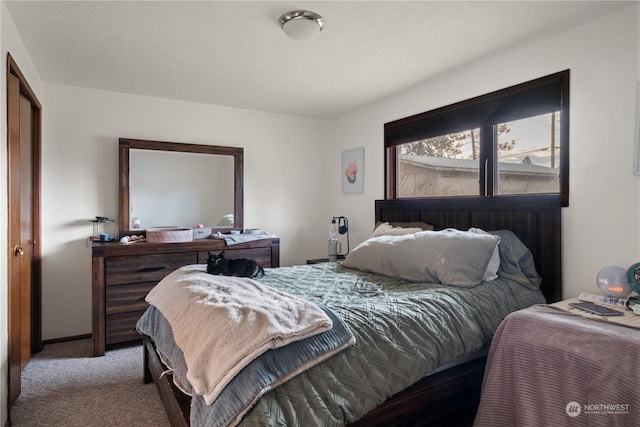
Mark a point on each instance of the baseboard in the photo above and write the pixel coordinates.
(66, 339)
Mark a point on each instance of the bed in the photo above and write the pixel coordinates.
(437, 391)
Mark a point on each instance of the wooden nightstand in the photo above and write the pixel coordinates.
(319, 260)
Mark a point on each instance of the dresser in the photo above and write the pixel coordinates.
(122, 275)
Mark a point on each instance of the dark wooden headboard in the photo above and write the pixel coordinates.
(536, 220)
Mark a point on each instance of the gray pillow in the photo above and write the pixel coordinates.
(516, 260)
(450, 257)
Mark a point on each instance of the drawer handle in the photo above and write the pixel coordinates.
(149, 269)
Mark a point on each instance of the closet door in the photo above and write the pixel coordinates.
(23, 156)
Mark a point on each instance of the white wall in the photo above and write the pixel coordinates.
(601, 225)
(10, 42)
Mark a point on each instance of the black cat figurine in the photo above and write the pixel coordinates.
(218, 264)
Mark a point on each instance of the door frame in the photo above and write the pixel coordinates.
(36, 287)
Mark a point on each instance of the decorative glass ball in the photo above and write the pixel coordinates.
(612, 281)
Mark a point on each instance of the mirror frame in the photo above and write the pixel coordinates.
(126, 144)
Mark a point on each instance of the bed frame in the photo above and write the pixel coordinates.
(451, 395)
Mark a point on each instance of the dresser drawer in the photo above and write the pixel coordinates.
(122, 327)
(260, 255)
(145, 268)
(124, 298)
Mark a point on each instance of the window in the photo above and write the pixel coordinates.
(512, 141)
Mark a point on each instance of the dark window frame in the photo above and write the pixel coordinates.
(527, 99)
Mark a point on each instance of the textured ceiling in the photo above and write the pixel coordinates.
(233, 53)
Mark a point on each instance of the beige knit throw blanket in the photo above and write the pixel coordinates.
(222, 323)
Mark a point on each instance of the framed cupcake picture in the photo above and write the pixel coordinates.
(353, 170)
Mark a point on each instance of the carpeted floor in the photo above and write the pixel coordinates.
(65, 386)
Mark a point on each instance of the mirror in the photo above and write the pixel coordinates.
(169, 184)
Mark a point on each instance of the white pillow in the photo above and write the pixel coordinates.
(491, 273)
(450, 257)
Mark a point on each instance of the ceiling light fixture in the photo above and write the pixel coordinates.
(301, 24)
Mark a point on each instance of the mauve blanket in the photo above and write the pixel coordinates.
(244, 318)
(549, 367)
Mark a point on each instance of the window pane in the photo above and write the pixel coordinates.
(529, 155)
(444, 165)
